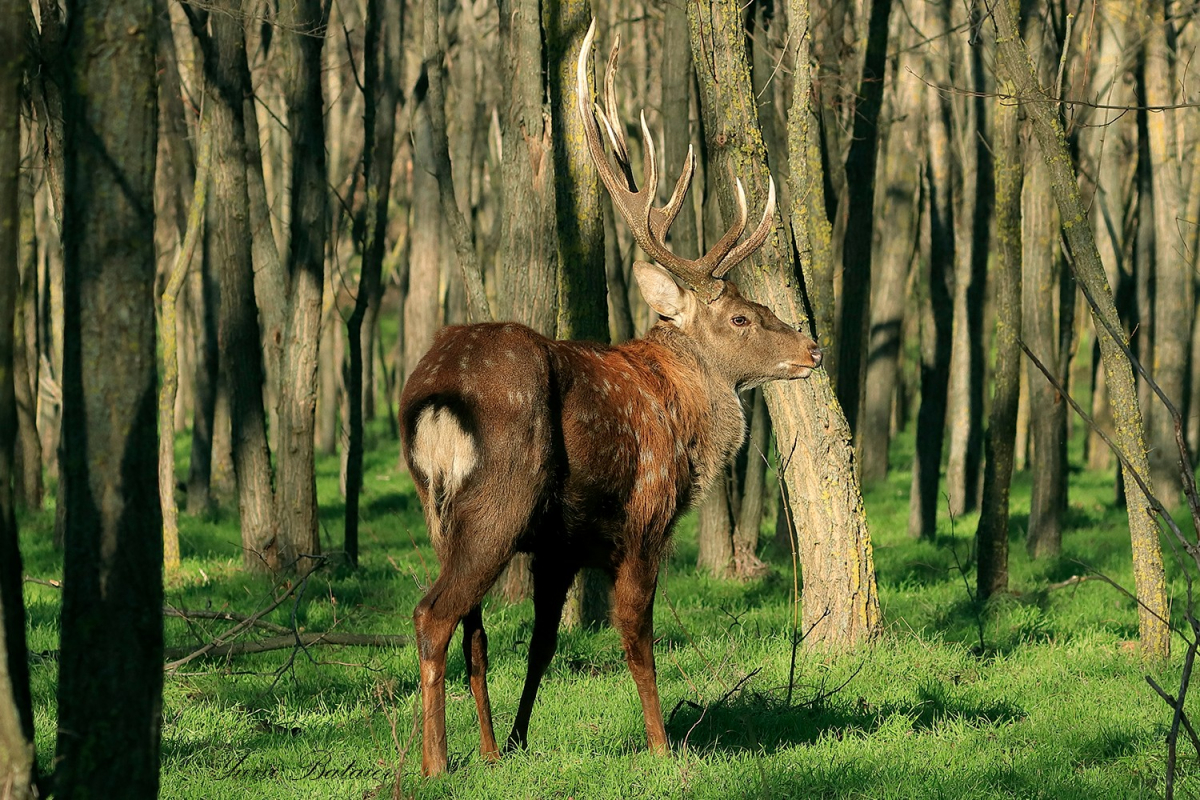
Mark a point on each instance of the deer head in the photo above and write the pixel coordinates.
(743, 340)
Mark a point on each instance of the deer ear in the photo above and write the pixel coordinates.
(665, 296)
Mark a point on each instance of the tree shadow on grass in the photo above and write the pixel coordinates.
(763, 723)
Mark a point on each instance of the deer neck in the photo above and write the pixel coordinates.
(712, 424)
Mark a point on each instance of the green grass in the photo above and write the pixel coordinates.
(1053, 705)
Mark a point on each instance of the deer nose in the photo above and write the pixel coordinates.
(815, 352)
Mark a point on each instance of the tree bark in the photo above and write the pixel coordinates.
(384, 32)
(169, 344)
(1173, 279)
(582, 282)
(1016, 67)
(714, 531)
(227, 79)
(972, 219)
(1110, 142)
(840, 605)
(937, 290)
(860, 222)
(1039, 331)
(528, 273)
(296, 489)
(18, 767)
(110, 666)
(26, 369)
(746, 563)
(203, 304)
(898, 201)
(991, 536)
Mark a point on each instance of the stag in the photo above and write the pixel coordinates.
(581, 454)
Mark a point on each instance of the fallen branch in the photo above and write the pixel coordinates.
(240, 628)
(228, 616)
(230, 649)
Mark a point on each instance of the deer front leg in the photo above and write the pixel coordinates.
(634, 614)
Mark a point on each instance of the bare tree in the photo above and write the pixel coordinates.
(384, 26)
(841, 604)
(110, 666)
(1016, 67)
(18, 767)
(227, 79)
(992, 533)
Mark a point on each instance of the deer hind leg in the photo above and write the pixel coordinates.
(551, 580)
(457, 591)
(475, 655)
(633, 612)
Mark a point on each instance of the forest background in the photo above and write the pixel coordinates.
(228, 231)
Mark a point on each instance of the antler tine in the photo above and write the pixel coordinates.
(746, 248)
(649, 225)
(662, 220)
(610, 104)
(590, 127)
(649, 159)
(713, 259)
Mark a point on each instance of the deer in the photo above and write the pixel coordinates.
(583, 454)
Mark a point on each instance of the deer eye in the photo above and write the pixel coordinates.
(739, 321)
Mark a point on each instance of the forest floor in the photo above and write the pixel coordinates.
(1052, 703)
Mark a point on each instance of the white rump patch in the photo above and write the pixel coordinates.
(446, 454)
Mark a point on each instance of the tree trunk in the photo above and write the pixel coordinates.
(421, 307)
(582, 283)
(329, 397)
(860, 222)
(714, 531)
(1039, 331)
(991, 537)
(296, 488)
(204, 301)
(1110, 141)
(384, 33)
(746, 563)
(840, 605)
(18, 767)
(110, 663)
(937, 290)
(169, 345)
(1016, 67)
(898, 204)
(528, 240)
(26, 369)
(227, 79)
(528, 228)
(972, 230)
(1173, 279)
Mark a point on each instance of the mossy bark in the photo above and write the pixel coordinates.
(1015, 66)
(169, 345)
(840, 603)
(991, 537)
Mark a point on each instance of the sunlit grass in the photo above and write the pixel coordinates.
(1052, 703)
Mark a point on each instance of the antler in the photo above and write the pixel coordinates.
(649, 224)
